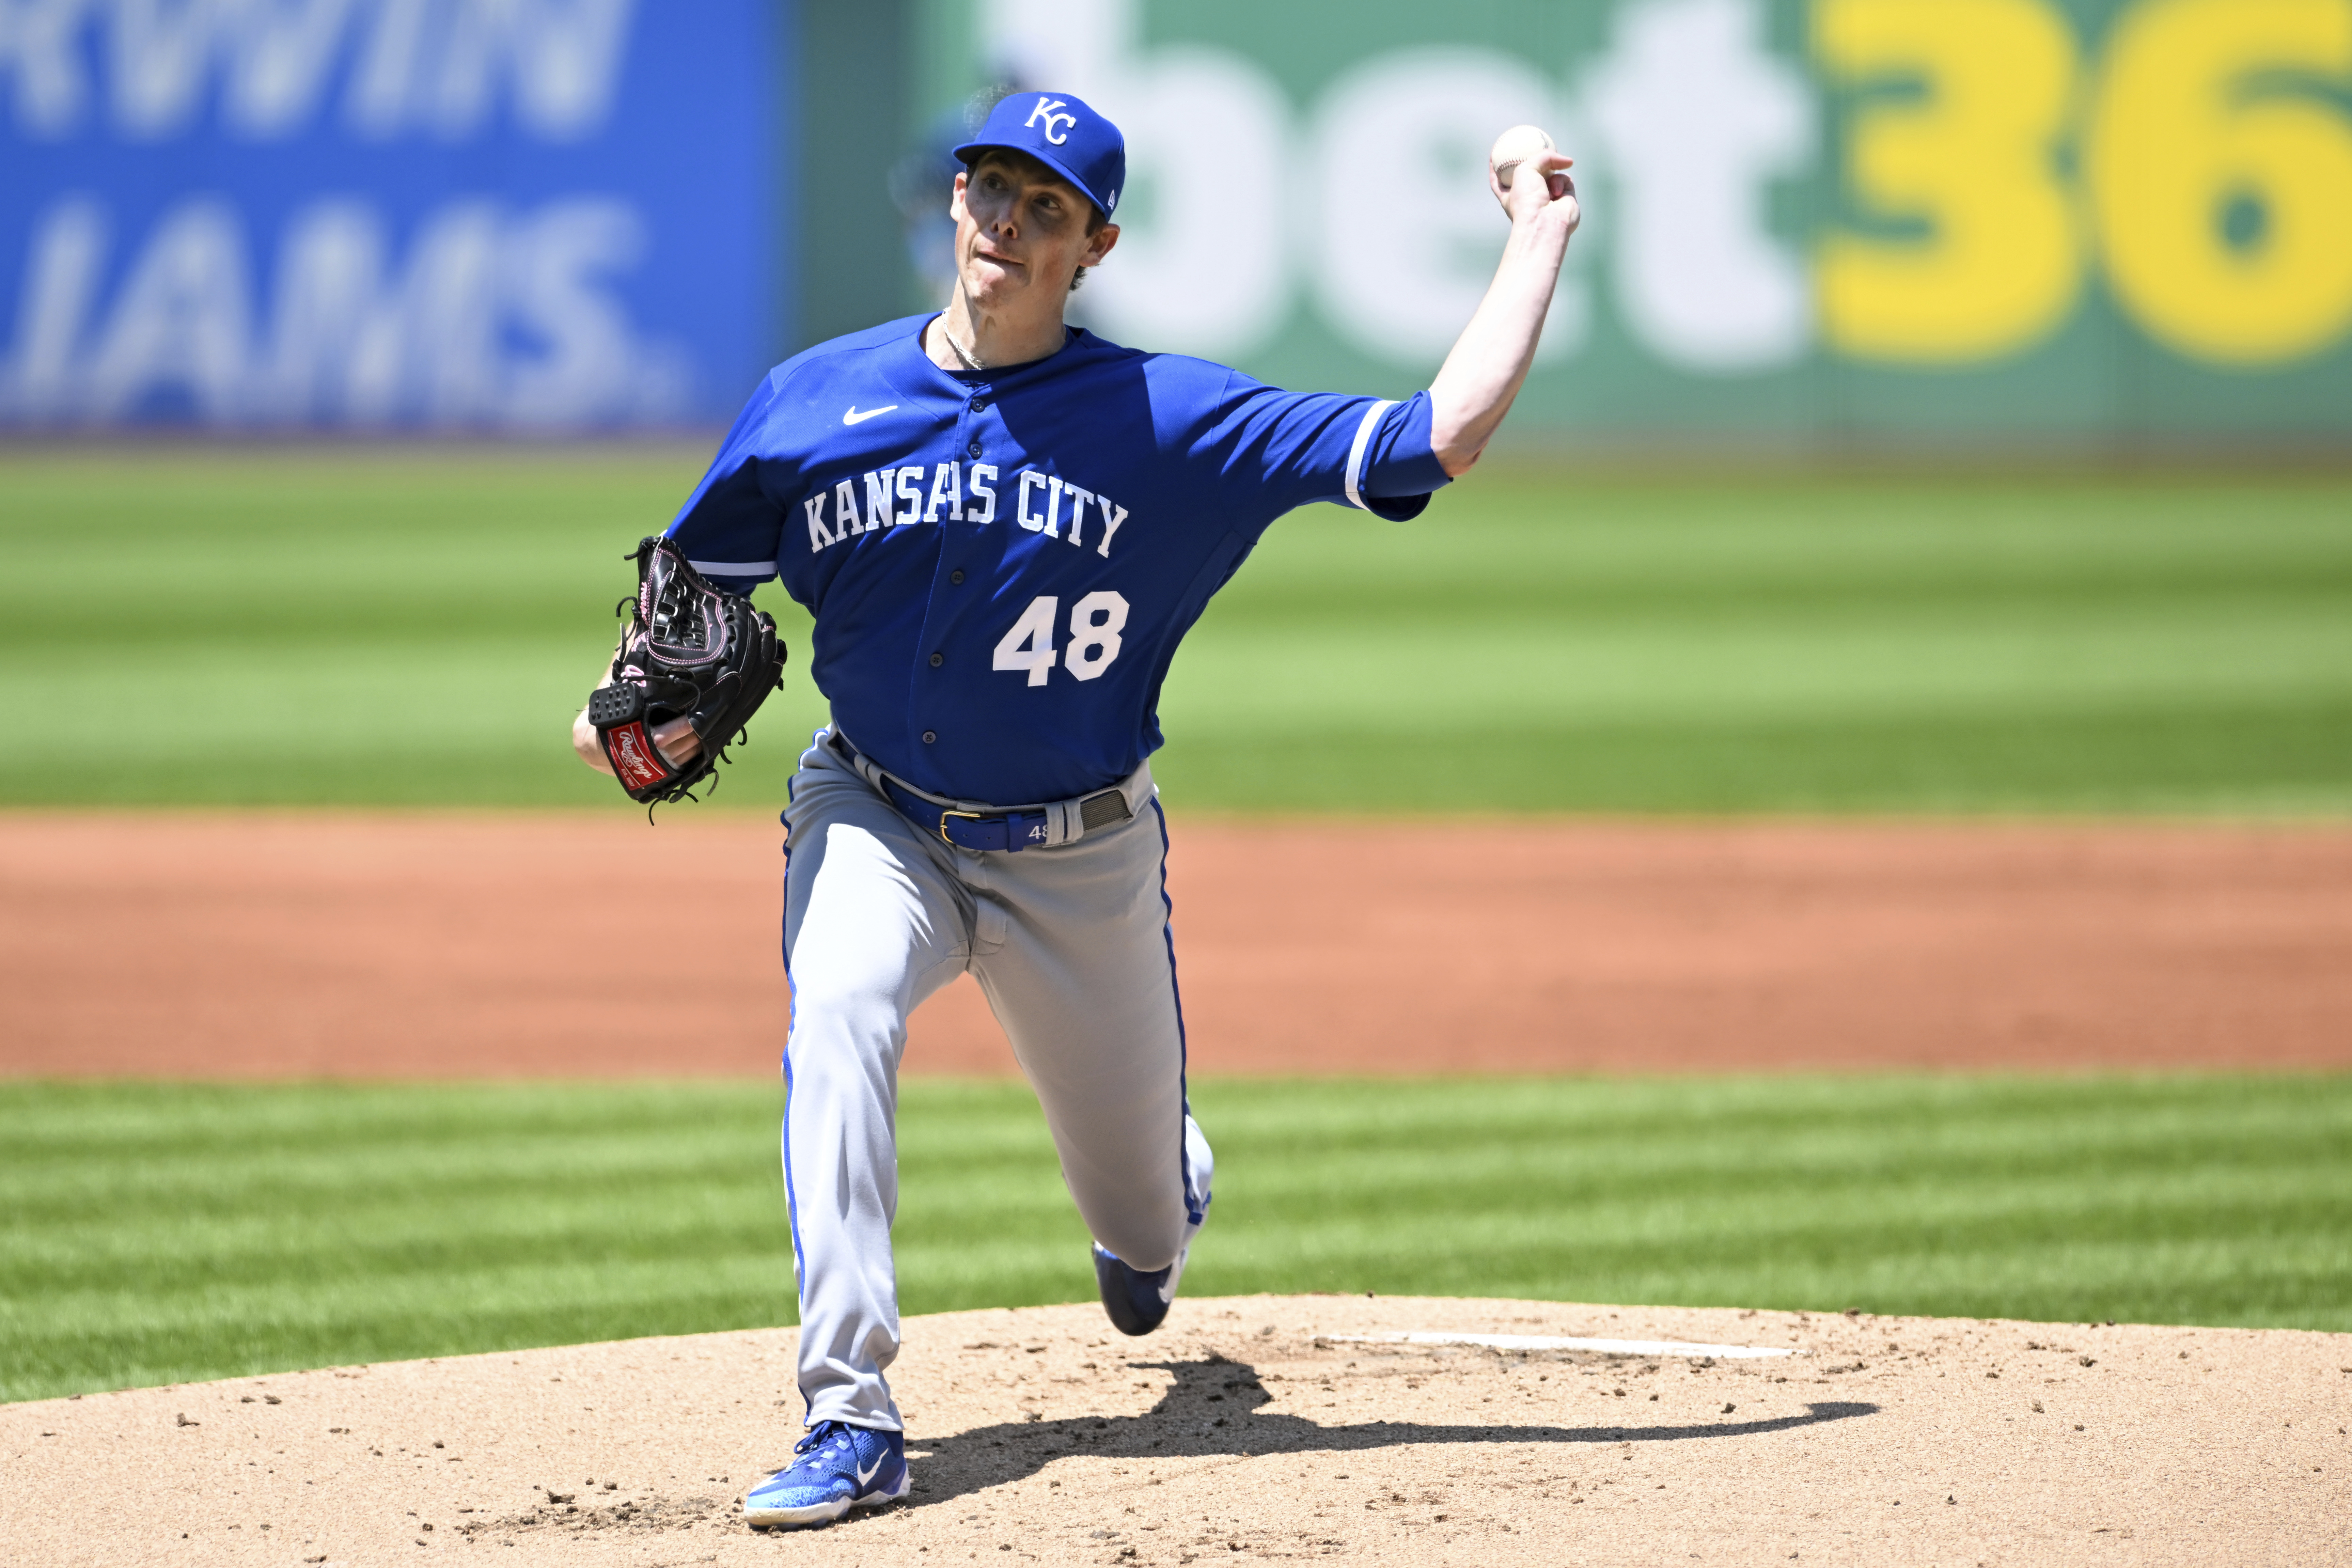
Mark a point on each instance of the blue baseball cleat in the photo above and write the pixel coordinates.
(1136, 1303)
(841, 1468)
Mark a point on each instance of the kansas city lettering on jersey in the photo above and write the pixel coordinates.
(1044, 503)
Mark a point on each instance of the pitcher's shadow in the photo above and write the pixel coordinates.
(1208, 1410)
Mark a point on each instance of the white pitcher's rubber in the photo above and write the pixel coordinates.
(1540, 1342)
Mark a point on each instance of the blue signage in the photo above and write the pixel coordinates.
(504, 214)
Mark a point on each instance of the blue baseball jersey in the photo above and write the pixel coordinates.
(1001, 563)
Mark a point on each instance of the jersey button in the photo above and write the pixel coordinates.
(955, 576)
(980, 405)
(938, 659)
(975, 447)
(931, 736)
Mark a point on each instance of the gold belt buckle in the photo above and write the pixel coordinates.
(970, 816)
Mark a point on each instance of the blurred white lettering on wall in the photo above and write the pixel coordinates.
(1405, 234)
(494, 316)
(1695, 118)
(272, 68)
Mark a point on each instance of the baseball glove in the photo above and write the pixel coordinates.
(691, 652)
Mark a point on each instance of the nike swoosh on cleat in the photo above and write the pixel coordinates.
(866, 1477)
(854, 418)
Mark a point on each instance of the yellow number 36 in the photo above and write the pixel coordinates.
(2215, 174)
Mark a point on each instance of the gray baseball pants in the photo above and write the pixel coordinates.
(1071, 946)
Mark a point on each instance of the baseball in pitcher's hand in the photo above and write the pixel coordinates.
(1550, 201)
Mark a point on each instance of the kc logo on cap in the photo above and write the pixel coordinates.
(1063, 133)
(1050, 110)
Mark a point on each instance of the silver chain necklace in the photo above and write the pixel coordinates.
(969, 362)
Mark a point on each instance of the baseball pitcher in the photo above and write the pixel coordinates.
(1002, 526)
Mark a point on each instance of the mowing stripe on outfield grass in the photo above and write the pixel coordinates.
(414, 626)
(161, 1232)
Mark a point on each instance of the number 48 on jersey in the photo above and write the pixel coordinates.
(1096, 622)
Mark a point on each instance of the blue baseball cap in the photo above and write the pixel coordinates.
(1064, 135)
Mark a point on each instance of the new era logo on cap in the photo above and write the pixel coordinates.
(1063, 133)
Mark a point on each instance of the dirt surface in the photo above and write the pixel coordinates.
(398, 945)
(1244, 1431)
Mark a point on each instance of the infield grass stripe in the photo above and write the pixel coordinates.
(160, 1233)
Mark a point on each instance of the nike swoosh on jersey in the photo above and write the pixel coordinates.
(854, 418)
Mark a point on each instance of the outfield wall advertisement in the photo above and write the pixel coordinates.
(474, 214)
(1811, 223)
(2068, 221)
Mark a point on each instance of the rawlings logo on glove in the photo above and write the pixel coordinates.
(691, 652)
(635, 762)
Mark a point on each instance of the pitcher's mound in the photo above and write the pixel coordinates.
(1293, 1426)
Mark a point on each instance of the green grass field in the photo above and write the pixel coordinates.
(415, 625)
(404, 626)
(161, 1233)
